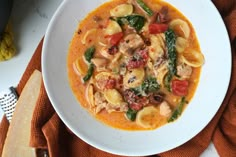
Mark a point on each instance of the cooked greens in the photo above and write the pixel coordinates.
(136, 21)
(177, 112)
(89, 73)
(89, 53)
(167, 81)
(148, 86)
(145, 7)
(131, 114)
(172, 56)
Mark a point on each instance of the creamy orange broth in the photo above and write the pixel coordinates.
(77, 49)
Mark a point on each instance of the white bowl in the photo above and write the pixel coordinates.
(214, 81)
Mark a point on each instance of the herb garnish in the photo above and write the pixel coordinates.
(148, 86)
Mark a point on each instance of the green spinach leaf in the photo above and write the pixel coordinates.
(89, 73)
(131, 114)
(145, 7)
(172, 56)
(167, 81)
(136, 21)
(149, 85)
(177, 112)
(89, 53)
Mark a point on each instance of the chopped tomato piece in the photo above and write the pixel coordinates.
(132, 64)
(139, 61)
(110, 83)
(180, 87)
(136, 106)
(135, 102)
(139, 104)
(115, 38)
(143, 54)
(156, 28)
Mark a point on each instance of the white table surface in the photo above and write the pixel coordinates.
(29, 20)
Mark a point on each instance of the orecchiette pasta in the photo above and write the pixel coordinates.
(80, 67)
(122, 10)
(113, 97)
(134, 78)
(180, 27)
(157, 48)
(181, 44)
(148, 117)
(112, 28)
(193, 58)
(90, 95)
(91, 32)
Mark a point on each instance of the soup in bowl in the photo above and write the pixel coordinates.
(139, 105)
(133, 64)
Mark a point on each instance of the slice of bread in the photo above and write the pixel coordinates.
(18, 136)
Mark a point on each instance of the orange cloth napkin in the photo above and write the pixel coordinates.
(49, 132)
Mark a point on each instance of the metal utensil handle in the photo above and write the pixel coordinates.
(8, 100)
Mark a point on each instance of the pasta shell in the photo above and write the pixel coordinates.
(80, 67)
(102, 44)
(181, 44)
(156, 49)
(150, 64)
(115, 61)
(113, 97)
(180, 27)
(101, 78)
(193, 58)
(130, 43)
(100, 63)
(148, 117)
(87, 34)
(122, 10)
(112, 28)
(90, 95)
(102, 75)
(104, 53)
(161, 72)
(134, 78)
